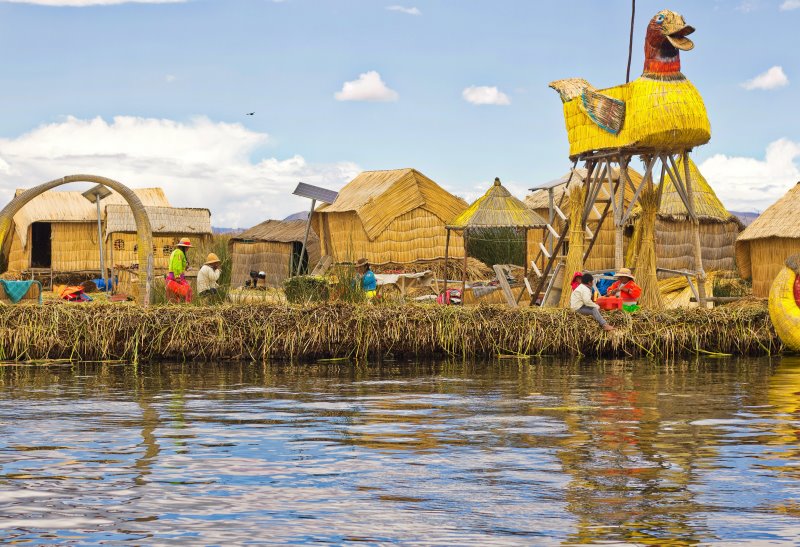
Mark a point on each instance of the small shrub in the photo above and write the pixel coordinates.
(303, 289)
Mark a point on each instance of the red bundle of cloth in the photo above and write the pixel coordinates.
(178, 290)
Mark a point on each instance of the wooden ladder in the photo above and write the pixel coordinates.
(555, 259)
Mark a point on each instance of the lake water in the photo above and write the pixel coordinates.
(506, 453)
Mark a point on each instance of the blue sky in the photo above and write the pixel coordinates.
(156, 93)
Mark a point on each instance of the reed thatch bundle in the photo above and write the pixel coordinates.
(646, 275)
(577, 240)
(262, 332)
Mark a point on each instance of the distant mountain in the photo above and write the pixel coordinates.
(745, 217)
(298, 216)
(231, 231)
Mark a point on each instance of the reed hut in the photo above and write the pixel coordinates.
(674, 238)
(762, 248)
(57, 231)
(274, 247)
(396, 216)
(542, 199)
(496, 210)
(169, 225)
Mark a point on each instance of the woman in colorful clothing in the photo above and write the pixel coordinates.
(366, 278)
(178, 289)
(625, 287)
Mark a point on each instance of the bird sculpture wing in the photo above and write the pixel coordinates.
(608, 113)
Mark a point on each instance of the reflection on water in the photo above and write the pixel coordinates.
(544, 453)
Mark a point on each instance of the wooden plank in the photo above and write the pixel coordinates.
(678, 183)
(600, 224)
(636, 193)
(500, 272)
(553, 278)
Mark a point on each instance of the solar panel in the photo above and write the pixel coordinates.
(315, 192)
(96, 192)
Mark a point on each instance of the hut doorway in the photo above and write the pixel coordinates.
(41, 248)
(297, 248)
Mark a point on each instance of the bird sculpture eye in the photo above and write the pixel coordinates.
(659, 18)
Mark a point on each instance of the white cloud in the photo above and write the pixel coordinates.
(403, 9)
(170, 78)
(368, 87)
(746, 6)
(773, 78)
(200, 163)
(485, 95)
(85, 3)
(750, 184)
(790, 5)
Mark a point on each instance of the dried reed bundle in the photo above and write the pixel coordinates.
(476, 270)
(260, 332)
(577, 239)
(646, 255)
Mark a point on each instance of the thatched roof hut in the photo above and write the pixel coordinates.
(395, 216)
(497, 208)
(58, 230)
(274, 247)
(762, 248)
(718, 227)
(169, 225)
(602, 255)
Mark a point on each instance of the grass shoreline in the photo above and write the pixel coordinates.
(263, 332)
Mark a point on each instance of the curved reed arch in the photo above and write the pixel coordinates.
(144, 232)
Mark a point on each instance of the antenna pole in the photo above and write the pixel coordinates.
(630, 42)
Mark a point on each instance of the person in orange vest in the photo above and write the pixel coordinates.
(625, 286)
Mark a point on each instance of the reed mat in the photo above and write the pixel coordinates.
(260, 332)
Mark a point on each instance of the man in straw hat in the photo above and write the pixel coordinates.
(207, 277)
(178, 289)
(625, 286)
(366, 279)
(582, 301)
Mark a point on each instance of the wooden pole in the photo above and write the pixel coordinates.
(619, 240)
(446, 255)
(464, 273)
(698, 247)
(305, 238)
(97, 199)
(525, 260)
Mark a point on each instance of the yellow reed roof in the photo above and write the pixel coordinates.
(58, 206)
(497, 208)
(781, 219)
(707, 205)
(379, 197)
(163, 220)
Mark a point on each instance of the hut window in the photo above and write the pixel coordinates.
(119, 244)
(167, 250)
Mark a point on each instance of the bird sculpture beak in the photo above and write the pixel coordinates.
(677, 35)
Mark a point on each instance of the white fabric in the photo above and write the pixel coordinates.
(582, 296)
(406, 281)
(207, 278)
